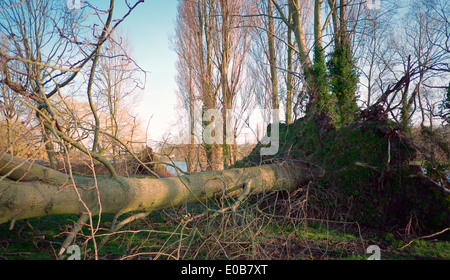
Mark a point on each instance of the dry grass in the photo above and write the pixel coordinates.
(264, 227)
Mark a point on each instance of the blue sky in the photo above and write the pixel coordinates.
(149, 28)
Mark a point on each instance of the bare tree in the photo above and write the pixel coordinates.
(116, 84)
(194, 46)
(233, 42)
(272, 55)
(185, 44)
(212, 45)
(414, 59)
(51, 49)
(429, 59)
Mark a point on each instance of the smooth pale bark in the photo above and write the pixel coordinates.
(44, 192)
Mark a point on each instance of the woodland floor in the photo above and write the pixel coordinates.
(371, 177)
(157, 237)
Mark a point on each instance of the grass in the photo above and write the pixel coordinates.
(162, 236)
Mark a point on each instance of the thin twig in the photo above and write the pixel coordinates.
(425, 237)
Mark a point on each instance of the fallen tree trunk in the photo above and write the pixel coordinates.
(29, 190)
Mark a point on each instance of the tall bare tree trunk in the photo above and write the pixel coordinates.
(272, 55)
(317, 24)
(344, 36)
(289, 77)
(191, 154)
(303, 52)
(335, 20)
(206, 17)
(224, 67)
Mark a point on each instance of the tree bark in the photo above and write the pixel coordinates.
(297, 26)
(209, 89)
(29, 190)
(227, 95)
(289, 78)
(272, 56)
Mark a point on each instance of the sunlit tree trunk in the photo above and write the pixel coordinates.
(50, 192)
